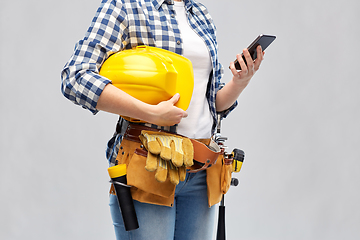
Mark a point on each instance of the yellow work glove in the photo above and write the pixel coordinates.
(168, 154)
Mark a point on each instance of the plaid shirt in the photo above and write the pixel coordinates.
(125, 24)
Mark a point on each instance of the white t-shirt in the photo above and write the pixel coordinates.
(199, 121)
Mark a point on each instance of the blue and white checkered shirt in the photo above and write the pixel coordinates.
(125, 24)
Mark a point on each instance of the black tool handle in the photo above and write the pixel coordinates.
(126, 203)
(221, 231)
(221, 224)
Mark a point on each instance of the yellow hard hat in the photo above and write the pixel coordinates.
(151, 74)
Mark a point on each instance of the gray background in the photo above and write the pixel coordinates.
(298, 122)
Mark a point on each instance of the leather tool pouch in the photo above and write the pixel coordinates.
(145, 187)
(225, 177)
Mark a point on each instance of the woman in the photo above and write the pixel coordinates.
(186, 28)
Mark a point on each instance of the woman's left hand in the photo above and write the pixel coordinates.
(243, 76)
(230, 92)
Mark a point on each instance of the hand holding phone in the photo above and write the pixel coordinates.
(263, 40)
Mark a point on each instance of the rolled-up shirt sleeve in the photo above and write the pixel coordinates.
(81, 82)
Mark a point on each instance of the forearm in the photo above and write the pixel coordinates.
(227, 96)
(116, 101)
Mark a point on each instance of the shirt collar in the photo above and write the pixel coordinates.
(158, 3)
(188, 4)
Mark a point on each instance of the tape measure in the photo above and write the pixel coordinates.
(238, 159)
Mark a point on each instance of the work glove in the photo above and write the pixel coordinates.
(168, 155)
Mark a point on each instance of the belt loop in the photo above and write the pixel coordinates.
(118, 125)
(121, 126)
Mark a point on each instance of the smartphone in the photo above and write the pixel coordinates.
(263, 40)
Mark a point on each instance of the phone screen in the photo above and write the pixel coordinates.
(263, 40)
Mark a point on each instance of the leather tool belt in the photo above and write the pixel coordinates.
(204, 155)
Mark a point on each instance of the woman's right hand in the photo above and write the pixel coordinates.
(166, 113)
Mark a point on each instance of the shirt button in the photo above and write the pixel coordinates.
(178, 42)
(172, 15)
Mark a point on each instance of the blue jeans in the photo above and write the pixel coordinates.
(189, 219)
